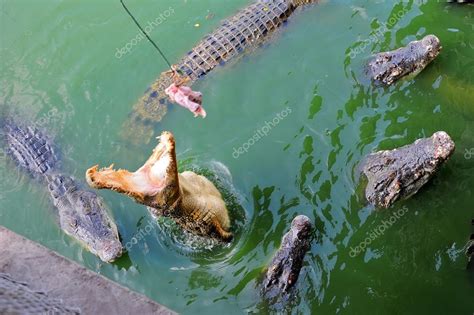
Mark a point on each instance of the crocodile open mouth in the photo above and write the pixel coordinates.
(150, 179)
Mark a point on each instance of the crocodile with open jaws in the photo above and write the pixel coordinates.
(190, 199)
(400, 173)
(388, 67)
(245, 30)
(82, 214)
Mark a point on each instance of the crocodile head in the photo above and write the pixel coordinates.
(155, 184)
(285, 267)
(388, 67)
(84, 216)
(400, 173)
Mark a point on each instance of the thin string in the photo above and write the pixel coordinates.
(148, 37)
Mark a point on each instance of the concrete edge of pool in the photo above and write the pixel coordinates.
(62, 279)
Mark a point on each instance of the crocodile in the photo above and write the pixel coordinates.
(189, 199)
(388, 67)
(245, 30)
(285, 267)
(82, 214)
(400, 173)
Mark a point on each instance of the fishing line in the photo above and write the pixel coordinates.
(144, 33)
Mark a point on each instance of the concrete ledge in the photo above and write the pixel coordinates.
(62, 279)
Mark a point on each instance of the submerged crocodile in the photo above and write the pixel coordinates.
(190, 199)
(82, 214)
(286, 265)
(243, 31)
(389, 67)
(400, 173)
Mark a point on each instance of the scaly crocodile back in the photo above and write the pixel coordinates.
(29, 148)
(82, 214)
(59, 185)
(248, 28)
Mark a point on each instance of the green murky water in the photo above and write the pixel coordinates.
(60, 68)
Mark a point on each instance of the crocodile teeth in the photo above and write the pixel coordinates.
(110, 168)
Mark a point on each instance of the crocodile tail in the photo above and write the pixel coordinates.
(149, 109)
(152, 105)
(28, 147)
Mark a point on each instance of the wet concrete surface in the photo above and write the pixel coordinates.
(63, 280)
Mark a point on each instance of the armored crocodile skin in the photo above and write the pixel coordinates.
(82, 214)
(285, 267)
(247, 29)
(400, 173)
(29, 148)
